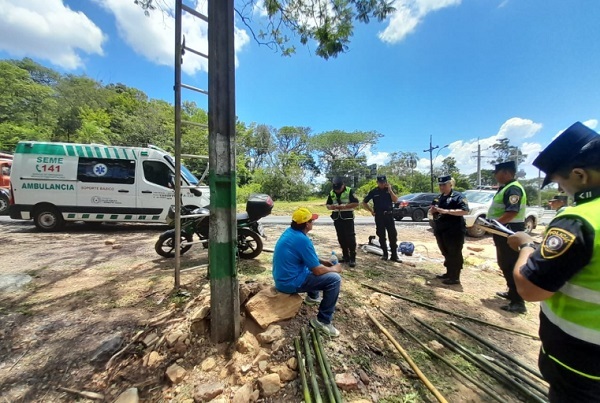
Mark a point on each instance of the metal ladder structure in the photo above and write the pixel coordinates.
(224, 287)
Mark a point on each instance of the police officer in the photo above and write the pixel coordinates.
(564, 273)
(508, 207)
(342, 202)
(450, 229)
(558, 203)
(383, 198)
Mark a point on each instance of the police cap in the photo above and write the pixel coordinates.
(563, 149)
(381, 178)
(337, 182)
(444, 179)
(508, 166)
(562, 198)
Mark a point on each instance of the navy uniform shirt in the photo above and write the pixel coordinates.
(553, 271)
(453, 201)
(512, 202)
(382, 200)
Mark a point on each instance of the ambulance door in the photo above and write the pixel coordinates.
(106, 188)
(155, 189)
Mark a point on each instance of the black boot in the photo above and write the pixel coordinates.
(352, 261)
(395, 258)
(384, 257)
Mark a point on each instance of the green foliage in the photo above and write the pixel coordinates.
(244, 192)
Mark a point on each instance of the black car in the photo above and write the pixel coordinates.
(413, 205)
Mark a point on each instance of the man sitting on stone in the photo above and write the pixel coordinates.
(297, 268)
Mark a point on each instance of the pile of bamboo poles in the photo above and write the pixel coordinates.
(309, 377)
(519, 378)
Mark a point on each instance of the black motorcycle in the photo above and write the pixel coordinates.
(250, 232)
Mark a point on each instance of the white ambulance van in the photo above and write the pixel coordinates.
(53, 183)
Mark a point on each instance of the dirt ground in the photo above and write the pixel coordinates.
(93, 286)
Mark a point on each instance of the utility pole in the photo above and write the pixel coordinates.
(224, 288)
(430, 149)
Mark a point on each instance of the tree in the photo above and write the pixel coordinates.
(503, 152)
(329, 24)
(343, 154)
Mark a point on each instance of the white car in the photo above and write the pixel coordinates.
(479, 204)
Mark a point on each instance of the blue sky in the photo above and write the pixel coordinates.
(457, 70)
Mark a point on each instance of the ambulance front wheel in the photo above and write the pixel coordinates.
(47, 218)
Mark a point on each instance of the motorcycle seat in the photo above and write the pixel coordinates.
(242, 217)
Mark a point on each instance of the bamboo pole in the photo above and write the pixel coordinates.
(512, 372)
(301, 369)
(435, 308)
(336, 391)
(481, 385)
(311, 367)
(496, 349)
(326, 379)
(484, 365)
(422, 377)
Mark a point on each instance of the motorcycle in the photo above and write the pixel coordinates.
(250, 232)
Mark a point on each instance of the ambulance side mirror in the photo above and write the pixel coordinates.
(196, 192)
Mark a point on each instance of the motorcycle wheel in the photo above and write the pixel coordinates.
(165, 245)
(250, 244)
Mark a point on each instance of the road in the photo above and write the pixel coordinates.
(270, 220)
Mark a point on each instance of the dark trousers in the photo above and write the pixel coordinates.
(383, 223)
(566, 386)
(346, 236)
(507, 257)
(451, 244)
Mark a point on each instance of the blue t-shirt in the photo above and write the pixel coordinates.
(293, 258)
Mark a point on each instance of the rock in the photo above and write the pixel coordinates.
(247, 290)
(245, 368)
(273, 332)
(363, 376)
(247, 344)
(255, 395)
(117, 246)
(150, 339)
(107, 349)
(269, 384)
(243, 394)
(285, 374)
(346, 381)
(277, 345)
(175, 373)
(475, 248)
(129, 396)
(262, 365)
(200, 327)
(270, 305)
(207, 392)
(208, 364)
(200, 313)
(361, 401)
(435, 345)
(292, 363)
(180, 347)
(110, 241)
(172, 337)
(152, 359)
(261, 356)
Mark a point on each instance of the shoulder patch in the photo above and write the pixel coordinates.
(556, 242)
(514, 199)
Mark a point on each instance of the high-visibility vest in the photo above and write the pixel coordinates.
(575, 308)
(498, 207)
(344, 199)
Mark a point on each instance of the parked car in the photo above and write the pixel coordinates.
(413, 205)
(479, 203)
(4, 201)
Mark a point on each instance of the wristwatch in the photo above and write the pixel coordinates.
(527, 245)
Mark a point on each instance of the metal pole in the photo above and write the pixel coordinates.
(478, 165)
(177, 88)
(224, 288)
(430, 149)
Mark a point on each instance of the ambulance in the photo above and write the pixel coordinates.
(54, 183)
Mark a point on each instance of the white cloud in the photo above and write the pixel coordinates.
(49, 30)
(591, 123)
(409, 14)
(378, 158)
(152, 36)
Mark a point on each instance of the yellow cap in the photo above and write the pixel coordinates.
(303, 215)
